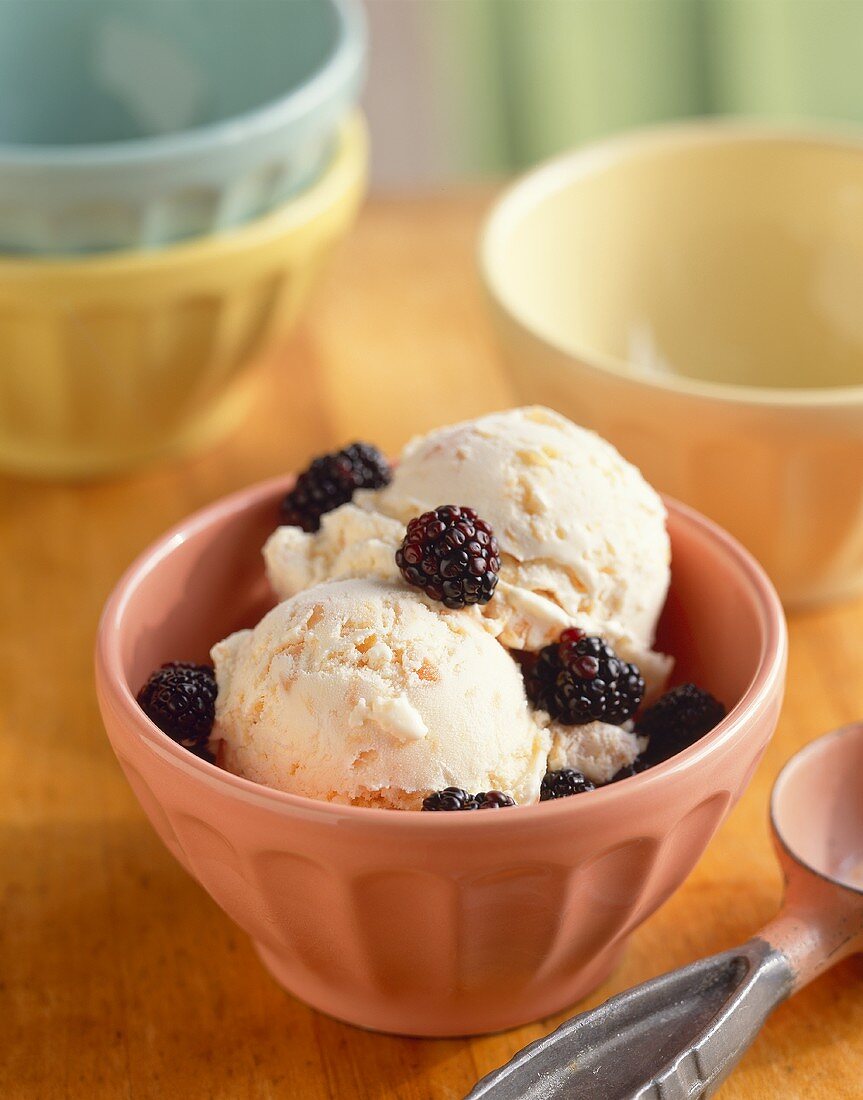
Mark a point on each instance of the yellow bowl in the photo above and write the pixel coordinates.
(110, 361)
(693, 293)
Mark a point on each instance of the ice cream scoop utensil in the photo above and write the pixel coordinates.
(679, 1035)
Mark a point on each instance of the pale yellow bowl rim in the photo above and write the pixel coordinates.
(339, 178)
(552, 175)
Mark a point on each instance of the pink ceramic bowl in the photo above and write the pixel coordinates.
(435, 924)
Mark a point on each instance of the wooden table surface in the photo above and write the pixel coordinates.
(119, 977)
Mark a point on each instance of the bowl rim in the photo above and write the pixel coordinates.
(344, 61)
(338, 178)
(115, 693)
(529, 190)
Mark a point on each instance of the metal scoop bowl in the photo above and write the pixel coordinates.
(678, 1036)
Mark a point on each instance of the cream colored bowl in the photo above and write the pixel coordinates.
(695, 294)
(111, 360)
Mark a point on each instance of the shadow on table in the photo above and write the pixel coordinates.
(706, 919)
(121, 977)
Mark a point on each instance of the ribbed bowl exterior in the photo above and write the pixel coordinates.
(150, 192)
(401, 934)
(108, 362)
(438, 924)
(45, 219)
(786, 479)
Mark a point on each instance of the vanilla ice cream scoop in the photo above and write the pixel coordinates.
(582, 535)
(581, 532)
(360, 691)
(596, 749)
(351, 542)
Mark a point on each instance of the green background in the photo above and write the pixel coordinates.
(517, 80)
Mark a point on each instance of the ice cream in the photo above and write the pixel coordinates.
(352, 542)
(362, 691)
(597, 749)
(582, 535)
(579, 527)
(468, 631)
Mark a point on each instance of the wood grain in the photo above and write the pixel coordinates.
(118, 976)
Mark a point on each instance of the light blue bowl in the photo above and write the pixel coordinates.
(135, 123)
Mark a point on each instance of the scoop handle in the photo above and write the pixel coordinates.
(673, 1038)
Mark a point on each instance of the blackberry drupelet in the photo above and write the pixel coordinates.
(635, 768)
(677, 720)
(452, 555)
(562, 784)
(454, 798)
(330, 481)
(180, 698)
(494, 800)
(580, 679)
(450, 798)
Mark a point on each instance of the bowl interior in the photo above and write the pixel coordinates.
(209, 581)
(75, 72)
(725, 257)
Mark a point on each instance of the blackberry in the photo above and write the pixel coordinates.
(580, 679)
(450, 798)
(330, 481)
(180, 698)
(454, 798)
(562, 784)
(677, 720)
(452, 555)
(638, 766)
(494, 800)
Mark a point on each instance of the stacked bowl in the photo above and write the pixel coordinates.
(172, 176)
